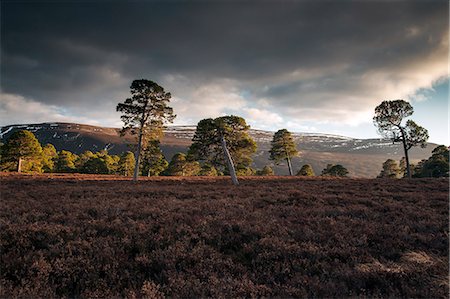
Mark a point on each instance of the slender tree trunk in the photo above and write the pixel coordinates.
(19, 165)
(137, 156)
(288, 159)
(229, 161)
(405, 149)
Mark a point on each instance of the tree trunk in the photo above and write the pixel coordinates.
(19, 165)
(137, 156)
(289, 165)
(229, 161)
(408, 168)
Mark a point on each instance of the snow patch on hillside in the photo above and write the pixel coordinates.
(7, 130)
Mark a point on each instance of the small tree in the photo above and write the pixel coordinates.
(65, 161)
(436, 166)
(390, 170)
(306, 170)
(49, 155)
(126, 164)
(335, 170)
(21, 145)
(153, 160)
(245, 170)
(83, 158)
(266, 171)
(208, 170)
(145, 113)
(225, 144)
(388, 119)
(283, 148)
(95, 165)
(180, 166)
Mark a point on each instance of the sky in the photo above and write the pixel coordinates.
(307, 66)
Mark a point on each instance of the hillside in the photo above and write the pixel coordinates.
(362, 157)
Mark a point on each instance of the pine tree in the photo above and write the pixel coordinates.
(153, 160)
(22, 147)
(306, 170)
(65, 162)
(180, 166)
(82, 159)
(208, 170)
(49, 154)
(283, 148)
(388, 118)
(225, 144)
(126, 164)
(144, 114)
(95, 165)
(436, 166)
(266, 171)
(335, 170)
(390, 170)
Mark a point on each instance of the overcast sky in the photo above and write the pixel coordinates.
(308, 66)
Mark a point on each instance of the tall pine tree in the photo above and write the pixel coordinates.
(144, 114)
(224, 143)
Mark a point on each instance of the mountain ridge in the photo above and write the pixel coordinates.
(362, 157)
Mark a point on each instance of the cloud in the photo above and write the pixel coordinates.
(16, 109)
(295, 63)
(193, 102)
(262, 119)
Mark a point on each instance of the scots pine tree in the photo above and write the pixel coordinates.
(283, 148)
(144, 114)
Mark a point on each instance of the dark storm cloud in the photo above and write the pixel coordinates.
(76, 54)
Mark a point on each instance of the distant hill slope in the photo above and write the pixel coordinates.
(362, 157)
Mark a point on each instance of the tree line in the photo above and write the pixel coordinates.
(437, 165)
(23, 153)
(220, 146)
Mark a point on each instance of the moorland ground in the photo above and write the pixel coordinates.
(105, 236)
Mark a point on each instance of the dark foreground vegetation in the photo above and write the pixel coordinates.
(103, 236)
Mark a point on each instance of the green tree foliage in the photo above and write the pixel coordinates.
(145, 113)
(111, 161)
(306, 170)
(153, 160)
(245, 171)
(180, 166)
(335, 170)
(65, 162)
(22, 151)
(388, 119)
(95, 165)
(49, 154)
(436, 166)
(266, 171)
(208, 170)
(100, 163)
(83, 158)
(126, 164)
(283, 148)
(390, 170)
(223, 143)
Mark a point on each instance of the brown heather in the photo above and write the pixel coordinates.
(101, 236)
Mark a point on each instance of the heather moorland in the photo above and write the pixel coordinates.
(93, 236)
